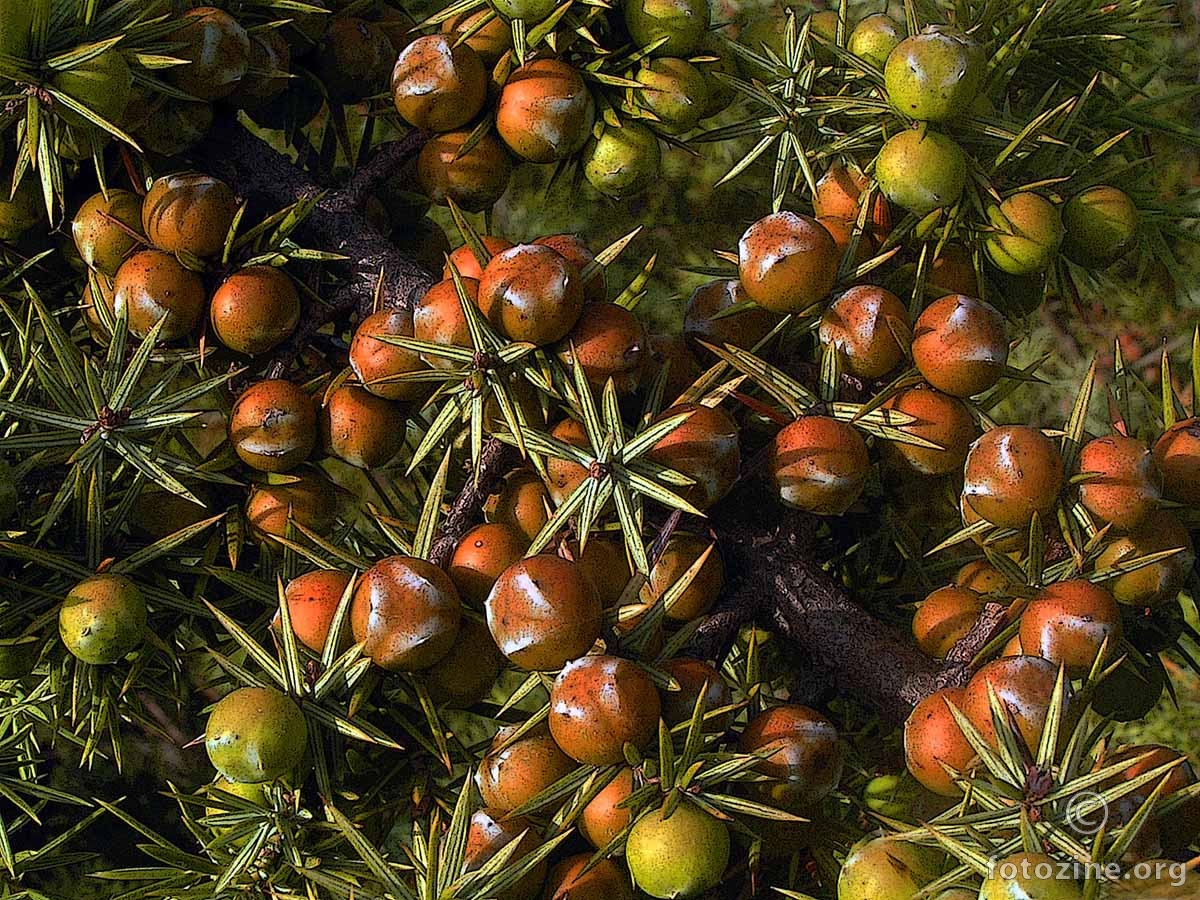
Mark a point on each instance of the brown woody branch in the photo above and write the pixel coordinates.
(776, 581)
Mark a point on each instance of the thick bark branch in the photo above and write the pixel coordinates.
(261, 175)
(776, 579)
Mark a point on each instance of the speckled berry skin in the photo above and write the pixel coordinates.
(805, 757)
(312, 599)
(217, 49)
(884, 867)
(406, 612)
(512, 773)
(255, 734)
(491, 40)
(543, 611)
(269, 53)
(598, 705)
(489, 832)
(695, 677)
(960, 345)
(102, 243)
(474, 180)
(545, 112)
(939, 419)
(188, 212)
(273, 426)
(673, 91)
(1012, 472)
(1101, 225)
(577, 253)
(355, 59)
(609, 342)
(361, 428)
(954, 271)
(788, 262)
(152, 284)
(1069, 622)
(1023, 684)
(482, 556)
(521, 503)
(623, 161)
(465, 675)
(531, 293)
(102, 619)
(681, 855)
(704, 447)
(921, 172)
(603, 818)
(1161, 582)
(1028, 232)
(839, 195)
(603, 881)
(745, 329)
(1177, 454)
(934, 75)
(678, 556)
(439, 319)
(1126, 486)
(438, 85)
(375, 361)
(857, 324)
(874, 38)
(682, 22)
(932, 738)
(465, 262)
(819, 464)
(944, 617)
(255, 309)
(310, 500)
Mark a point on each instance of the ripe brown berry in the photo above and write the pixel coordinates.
(695, 678)
(704, 447)
(944, 618)
(379, 364)
(577, 253)
(482, 556)
(474, 179)
(981, 577)
(603, 818)
(464, 676)
(255, 309)
(954, 272)
(543, 611)
(355, 59)
(932, 738)
(309, 500)
(682, 551)
(491, 39)
(608, 341)
(805, 758)
(1126, 484)
(939, 419)
(273, 426)
(1177, 454)
(107, 228)
(788, 262)
(189, 212)
(1069, 622)
(862, 323)
(438, 84)
(439, 319)
(839, 196)
(512, 772)
(489, 832)
(546, 111)
(598, 705)
(151, 285)
(671, 352)
(842, 233)
(406, 612)
(743, 329)
(565, 475)
(1025, 687)
(217, 50)
(819, 464)
(521, 503)
(1160, 582)
(575, 878)
(312, 599)
(960, 344)
(531, 293)
(360, 428)
(467, 264)
(271, 61)
(1012, 472)
(606, 564)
